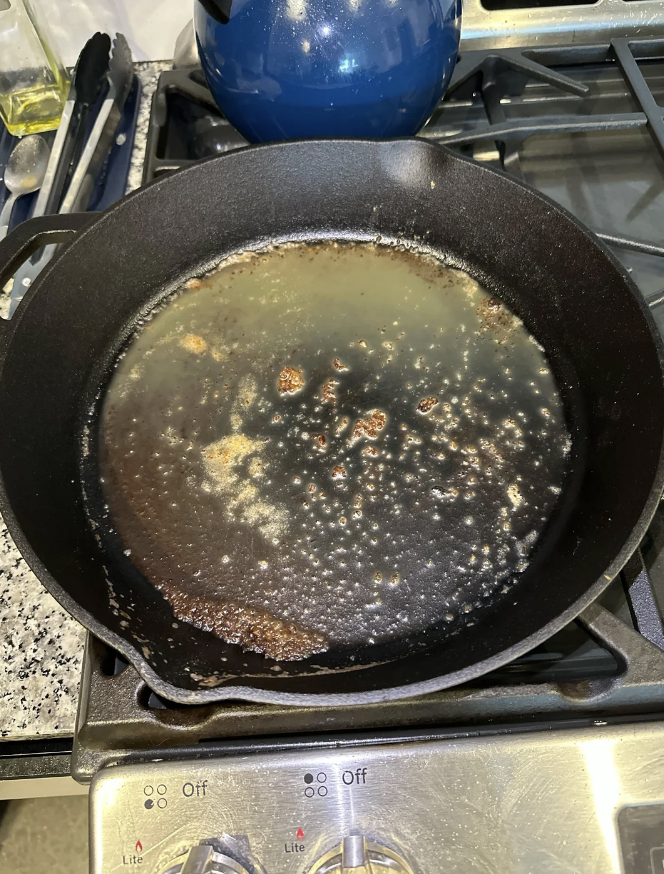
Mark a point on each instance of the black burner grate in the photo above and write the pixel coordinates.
(614, 669)
(483, 74)
(187, 125)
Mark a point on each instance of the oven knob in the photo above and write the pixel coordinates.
(206, 858)
(356, 855)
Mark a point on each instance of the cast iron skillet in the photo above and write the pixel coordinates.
(570, 292)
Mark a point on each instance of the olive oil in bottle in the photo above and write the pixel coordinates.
(34, 83)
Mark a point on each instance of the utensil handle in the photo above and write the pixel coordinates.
(31, 235)
(6, 215)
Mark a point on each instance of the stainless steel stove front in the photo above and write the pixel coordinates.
(587, 801)
(490, 24)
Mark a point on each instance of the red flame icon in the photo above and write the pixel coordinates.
(139, 847)
(299, 835)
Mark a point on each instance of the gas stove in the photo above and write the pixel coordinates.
(537, 802)
(553, 763)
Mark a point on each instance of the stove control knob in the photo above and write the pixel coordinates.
(356, 855)
(206, 858)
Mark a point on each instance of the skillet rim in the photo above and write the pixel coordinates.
(9, 329)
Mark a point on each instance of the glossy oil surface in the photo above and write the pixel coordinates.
(352, 440)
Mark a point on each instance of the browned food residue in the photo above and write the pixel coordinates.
(339, 365)
(341, 427)
(328, 391)
(233, 464)
(251, 629)
(339, 472)
(495, 317)
(321, 440)
(427, 404)
(290, 381)
(491, 449)
(193, 343)
(369, 427)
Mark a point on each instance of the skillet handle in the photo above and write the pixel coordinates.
(31, 235)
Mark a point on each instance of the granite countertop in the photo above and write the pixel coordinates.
(41, 646)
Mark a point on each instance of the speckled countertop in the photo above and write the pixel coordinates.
(41, 646)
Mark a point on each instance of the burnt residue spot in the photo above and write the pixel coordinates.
(328, 392)
(252, 629)
(341, 425)
(339, 366)
(427, 404)
(291, 380)
(369, 427)
(495, 316)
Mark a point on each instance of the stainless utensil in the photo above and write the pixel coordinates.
(88, 80)
(185, 54)
(120, 77)
(24, 173)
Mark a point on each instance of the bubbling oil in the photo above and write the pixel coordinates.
(331, 444)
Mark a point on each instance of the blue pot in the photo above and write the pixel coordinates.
(282, 69)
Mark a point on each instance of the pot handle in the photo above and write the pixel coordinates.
(31, 235)
(220, 10)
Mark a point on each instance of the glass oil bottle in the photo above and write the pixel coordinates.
(33, 80)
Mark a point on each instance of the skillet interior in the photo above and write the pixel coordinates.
(571, 295)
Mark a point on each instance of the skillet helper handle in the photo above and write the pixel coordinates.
(31, 235)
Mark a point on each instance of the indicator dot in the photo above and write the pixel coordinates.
(308, 778)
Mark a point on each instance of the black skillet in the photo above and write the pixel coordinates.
(570, 292)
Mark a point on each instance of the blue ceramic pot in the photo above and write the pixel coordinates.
(281, 69)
